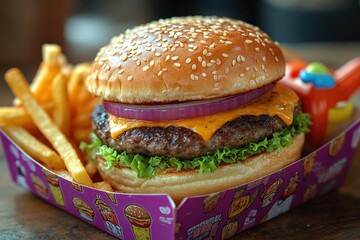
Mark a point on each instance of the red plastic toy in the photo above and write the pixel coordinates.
(324, 93)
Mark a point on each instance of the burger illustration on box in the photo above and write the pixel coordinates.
(191, 106)
(83, 208)
(140, 221)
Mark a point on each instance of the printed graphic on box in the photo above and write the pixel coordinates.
(215, 216)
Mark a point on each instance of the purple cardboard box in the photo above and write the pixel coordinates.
(216, 216)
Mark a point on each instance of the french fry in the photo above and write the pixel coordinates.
(18, 116)
(61, 112)
(10, 116)
(91, 167)
(103, 186)
(51, 55)
(21, 89)
(34, 148)
(64, 174)
(49, 68)
(76, 82)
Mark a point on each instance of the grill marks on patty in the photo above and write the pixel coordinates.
(182, 142)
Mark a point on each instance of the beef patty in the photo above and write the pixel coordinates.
(183, 143)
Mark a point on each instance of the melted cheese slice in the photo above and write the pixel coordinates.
(280, 101)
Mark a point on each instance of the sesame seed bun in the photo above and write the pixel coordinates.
(185, 58)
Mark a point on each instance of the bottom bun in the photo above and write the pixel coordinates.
(191, 183)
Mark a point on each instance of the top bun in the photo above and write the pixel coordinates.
(185, 58)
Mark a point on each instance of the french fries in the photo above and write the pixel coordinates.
(77, 82)
(58, 105)
(61, 112)
(10, 116)
(103, 186)
(91, 168)
(37, 149)
(49, 68)
(82, 103)
(20, 88)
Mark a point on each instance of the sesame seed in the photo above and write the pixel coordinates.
(233, 62)
(193, 67)
(176, 64)
(124, 58)
(238, 58)
(200, 59)
(255, 68)
(203, 74)
(145, 68)
(158, 54)
(264, 59)
(248, 41)
(160, 73)
(227, 70)
(214, 72)
(152, 62)
(192, 76)
(203, 64)
(243, 58)
(247, 69)
(225, 55)
(276, 59)
(138, 63)
(257, 49)
(242, 75)
(188, 60)
(175, 58)
(130, 78)
(121, 71)
(228, 42)
(167, 58)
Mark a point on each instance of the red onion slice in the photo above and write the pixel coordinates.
(183, 110)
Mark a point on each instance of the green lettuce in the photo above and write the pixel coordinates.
(146, 167)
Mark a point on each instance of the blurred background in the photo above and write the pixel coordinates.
(325, 30)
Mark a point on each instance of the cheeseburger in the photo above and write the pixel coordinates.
(191, 106)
